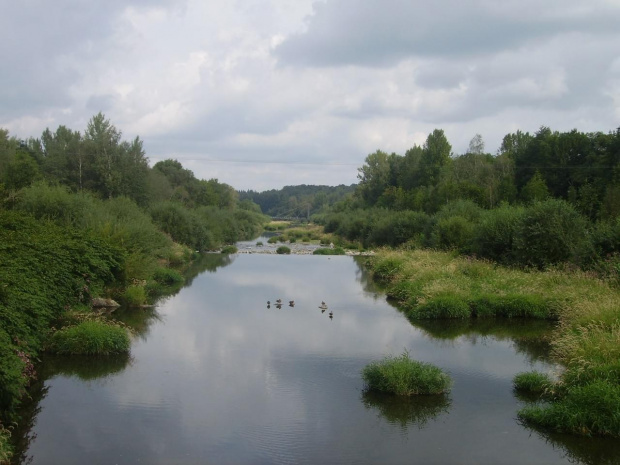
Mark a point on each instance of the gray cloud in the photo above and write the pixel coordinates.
(383, 32)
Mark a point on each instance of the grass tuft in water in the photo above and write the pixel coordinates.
(283, 250)
(229, 249)
(405, 377)
(532, 382)
(90, 338)
(329, 251)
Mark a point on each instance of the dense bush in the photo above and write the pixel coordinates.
(496, 232)
(550, 232)
(74, 266)
(282, 250)
(405, 377)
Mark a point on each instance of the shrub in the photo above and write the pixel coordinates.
(272, 240)
(532, 382)
(167, 276)
(6, 451)
(90, 338)
(445, 306)
(283, 250)
(135, 296)
(455, 232)
(495, 234)
(259, 244)
(229, 249)
(550, 232)
(405, 377)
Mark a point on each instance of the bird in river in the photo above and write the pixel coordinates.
(291, 303)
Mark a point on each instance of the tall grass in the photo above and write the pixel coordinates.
(431, 284)
(405, 377)
(90, 338)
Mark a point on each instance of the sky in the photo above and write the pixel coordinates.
(260, 94)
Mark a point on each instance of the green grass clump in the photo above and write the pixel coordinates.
(135, 295)
(329, 251)
(167, 276)
(282, 250)
(584, 410)
(90, 338)
(532, 382)
(443, 306)
(405, 377)
(259, 244)
(272, 240)
(229, 249)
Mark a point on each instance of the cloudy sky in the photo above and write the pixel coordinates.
(265, 93)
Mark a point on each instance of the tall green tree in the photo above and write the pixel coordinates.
(435, 156)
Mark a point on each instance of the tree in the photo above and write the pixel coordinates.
(435, 156)
(476, 145)
(374, 177)
(536, 189)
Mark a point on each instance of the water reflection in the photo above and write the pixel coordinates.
(583, 450)
(83, 367)
(220, 378)
(407, 411)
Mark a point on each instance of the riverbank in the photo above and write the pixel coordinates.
(586, 340)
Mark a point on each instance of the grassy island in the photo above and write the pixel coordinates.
(405, 377)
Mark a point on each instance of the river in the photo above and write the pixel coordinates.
(215, 376)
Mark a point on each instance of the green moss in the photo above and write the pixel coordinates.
(90, 338)
(404, 376)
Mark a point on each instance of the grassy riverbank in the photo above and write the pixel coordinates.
(430, 284)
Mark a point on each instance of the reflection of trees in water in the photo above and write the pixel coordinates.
(139, 320)
(530, 337)
(85, 368)
(405, 411)
(363, 275)
(583, 450)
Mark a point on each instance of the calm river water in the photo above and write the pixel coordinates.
(216, 377)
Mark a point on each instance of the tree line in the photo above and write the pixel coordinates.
(542, 199)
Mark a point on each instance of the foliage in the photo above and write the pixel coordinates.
(442, 306)
(229, 249)
(167, 276)
(283, 250)
(135, 295)
(550, 232)
(329, 251)
(405, 377)
(90, 338)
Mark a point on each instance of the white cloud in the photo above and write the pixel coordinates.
(247, 91)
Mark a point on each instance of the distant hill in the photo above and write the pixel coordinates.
(297, 201)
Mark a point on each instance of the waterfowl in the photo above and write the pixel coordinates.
(279, 301)
(291, 303)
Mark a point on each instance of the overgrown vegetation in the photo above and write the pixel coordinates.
(405, 377)
(82, 215)
(91, 337)
(283, 250)
(432, 284)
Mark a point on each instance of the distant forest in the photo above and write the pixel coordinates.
(297, 201)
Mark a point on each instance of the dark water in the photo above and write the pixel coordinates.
(215, 377)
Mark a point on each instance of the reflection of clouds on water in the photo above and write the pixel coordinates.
(224, 379)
